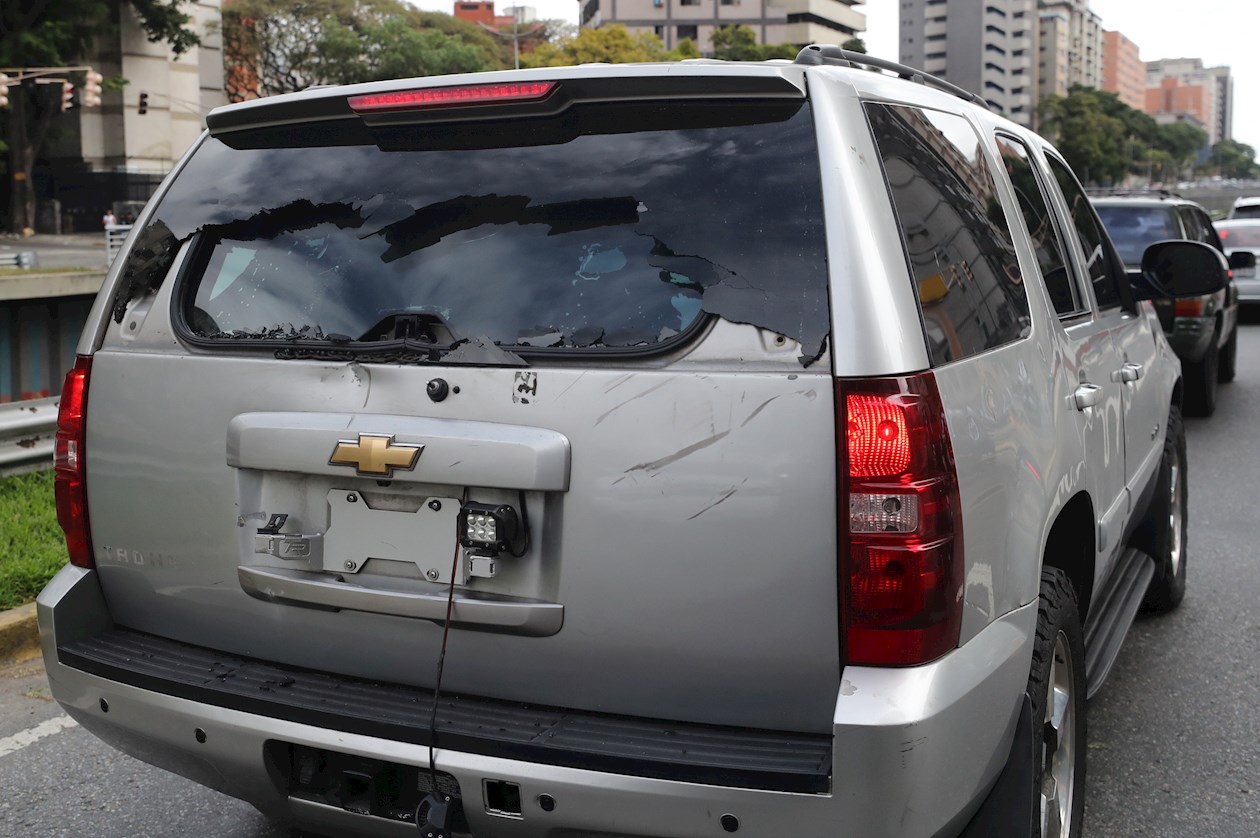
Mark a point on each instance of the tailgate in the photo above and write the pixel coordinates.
(685, 572)
(342, 343)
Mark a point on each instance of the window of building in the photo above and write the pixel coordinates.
(692, 32)
(932, 55)
(954, 229)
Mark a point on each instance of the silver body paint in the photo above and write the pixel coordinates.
(685, 511)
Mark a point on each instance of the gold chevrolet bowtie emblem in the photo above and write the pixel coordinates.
(375, 454)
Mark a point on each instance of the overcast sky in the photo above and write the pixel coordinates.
(1218, 31)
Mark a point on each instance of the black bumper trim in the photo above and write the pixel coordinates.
(707, 754)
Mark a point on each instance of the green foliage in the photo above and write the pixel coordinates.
(609, 45)
(739, 43)
(1104, 140)
(278, 46)
(32, 547)
(1233, 159)
(854, 45)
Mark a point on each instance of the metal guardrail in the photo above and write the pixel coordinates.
(115, 235)
(27, 432)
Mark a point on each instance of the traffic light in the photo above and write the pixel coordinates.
(4, 89)
(67, 96)
(92, 89)
(144, 103)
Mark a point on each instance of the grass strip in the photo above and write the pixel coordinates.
(32, 547)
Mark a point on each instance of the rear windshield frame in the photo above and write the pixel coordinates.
(202, 246)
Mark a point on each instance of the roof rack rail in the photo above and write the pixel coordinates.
(816, 54)
(1132, 192)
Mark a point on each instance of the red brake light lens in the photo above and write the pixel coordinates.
(901, 544)
(69, 481)
(1193, 307)
(473, 94)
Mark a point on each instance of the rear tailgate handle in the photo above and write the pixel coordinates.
(510, 615)
(1086, 396)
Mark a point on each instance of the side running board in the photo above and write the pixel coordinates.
(1113, 614)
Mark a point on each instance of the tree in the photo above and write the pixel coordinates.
(59, 33)
(278, 46)
(1093, 143)
(609, 44)
(1182, 141)
(739, 43)
(1232, 159)
(854, 45)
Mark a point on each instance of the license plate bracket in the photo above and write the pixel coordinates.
(426, 537)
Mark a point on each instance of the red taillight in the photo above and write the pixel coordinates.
(1189, 308)
(901, 560)
(473, 94)
(70, 484)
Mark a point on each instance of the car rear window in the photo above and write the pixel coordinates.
(1239, 235)
(1248, 210)
(1133, 229)
(609, 228)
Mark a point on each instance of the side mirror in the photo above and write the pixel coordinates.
(1242, 259)
(1183, 269)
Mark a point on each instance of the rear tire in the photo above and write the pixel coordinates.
(1056, 685)
(1162, 534)
(1229, 359)
(1201, 380)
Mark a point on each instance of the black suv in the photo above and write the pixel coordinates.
(1202, 330)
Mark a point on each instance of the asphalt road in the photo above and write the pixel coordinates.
(1174, 738)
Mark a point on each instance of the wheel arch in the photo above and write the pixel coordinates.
(1070, 546)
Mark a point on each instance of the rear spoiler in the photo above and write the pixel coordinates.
(697, 81)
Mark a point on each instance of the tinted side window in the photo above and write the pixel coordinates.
(1090, 231)
(961, 254)
(1051, 256)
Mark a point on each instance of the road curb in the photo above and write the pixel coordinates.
(19, 633)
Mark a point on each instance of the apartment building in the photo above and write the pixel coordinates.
(1085, 41)
(1180, 89)
(984, 46)
(1053, 54)
(1124, 72)
(774, 21)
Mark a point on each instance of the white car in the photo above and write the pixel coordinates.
(1241, 237)
(1246, 207)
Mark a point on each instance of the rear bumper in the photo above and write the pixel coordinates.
(912, 751)
(1191, 337)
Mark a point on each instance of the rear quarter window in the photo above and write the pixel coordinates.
(962, 257)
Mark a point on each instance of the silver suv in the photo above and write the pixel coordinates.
(660, 450)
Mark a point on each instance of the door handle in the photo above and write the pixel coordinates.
(1128, 372)
(1086, 395)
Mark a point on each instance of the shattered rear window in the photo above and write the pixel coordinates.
(613, 233)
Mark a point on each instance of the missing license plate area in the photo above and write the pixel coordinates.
(357, 533)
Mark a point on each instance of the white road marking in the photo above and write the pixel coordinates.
(30, 736)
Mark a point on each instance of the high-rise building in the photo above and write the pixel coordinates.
(1053, 53)
(1180, 89)
(1085, 41)
(118, 153)
(798, 22)
(985, 46)
(1124, 72)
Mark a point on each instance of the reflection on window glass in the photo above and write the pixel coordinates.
(1041, 229)
(1092, 238)
(963, 259)
(609, 236)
